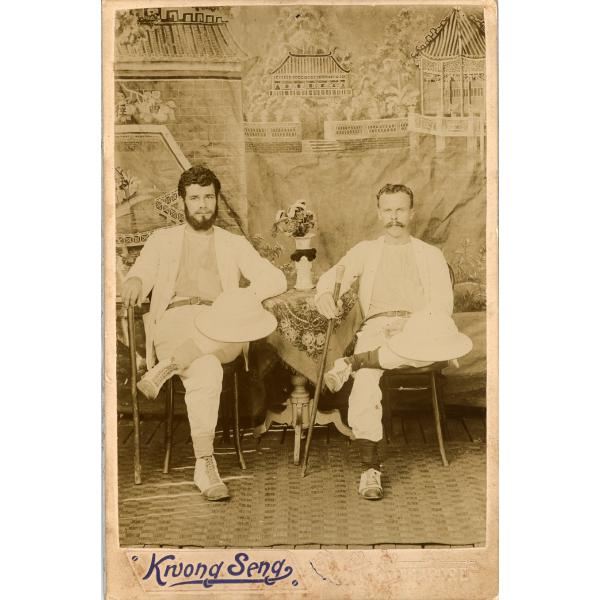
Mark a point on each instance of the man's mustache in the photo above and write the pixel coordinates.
(395, 223)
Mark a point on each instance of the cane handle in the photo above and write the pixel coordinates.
(339, 275)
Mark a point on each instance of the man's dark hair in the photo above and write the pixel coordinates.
(394, 188)
(200, 175)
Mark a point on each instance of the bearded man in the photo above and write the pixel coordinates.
(187, 267)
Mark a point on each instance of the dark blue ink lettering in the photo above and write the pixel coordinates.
(154, 566)
(215, 570)
(240, 558)
(287, 572)
(173, 569)
(267, 566)
(253, 566)
(208, 575)
(277, 566)
(210, 582)
(189, 582)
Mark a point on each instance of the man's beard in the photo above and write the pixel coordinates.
(200, 225)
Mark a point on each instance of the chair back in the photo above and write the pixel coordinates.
(452, 277)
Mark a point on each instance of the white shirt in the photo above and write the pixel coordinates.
(397, 283)
(198, 274)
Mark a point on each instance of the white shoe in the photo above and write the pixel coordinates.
(370, 485)
(207, 478)
(337, 376)
(154, 379)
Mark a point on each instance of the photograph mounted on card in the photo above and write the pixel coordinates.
(300, 244)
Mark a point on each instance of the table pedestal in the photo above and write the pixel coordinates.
(296, 414)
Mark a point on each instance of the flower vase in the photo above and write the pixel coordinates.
(303, 258)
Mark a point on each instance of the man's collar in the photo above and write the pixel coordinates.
(189, 230)
(382, 237)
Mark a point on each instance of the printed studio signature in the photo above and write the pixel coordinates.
(168, 571)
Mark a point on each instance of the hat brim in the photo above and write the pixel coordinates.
(223, 331)
(446, 348)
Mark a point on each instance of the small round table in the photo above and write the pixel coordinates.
(299, 340)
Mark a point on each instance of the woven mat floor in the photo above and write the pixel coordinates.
(424, 503)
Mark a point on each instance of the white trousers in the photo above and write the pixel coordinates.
(203, 378)
(364, 404)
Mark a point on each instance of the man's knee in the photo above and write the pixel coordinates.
(366, 379)
(364, 405)
(205, 371)
(228, 352)
(365, 391)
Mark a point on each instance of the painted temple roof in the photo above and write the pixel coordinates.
(457, 35)
(309, 64)
(209, 42)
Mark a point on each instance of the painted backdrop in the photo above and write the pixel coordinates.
(325, 104)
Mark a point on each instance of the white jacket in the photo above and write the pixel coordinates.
(158, 264)
(363, 259)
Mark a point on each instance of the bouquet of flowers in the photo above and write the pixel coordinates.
(296, 222)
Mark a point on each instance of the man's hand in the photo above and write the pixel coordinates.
(131, 294)
(326, 306)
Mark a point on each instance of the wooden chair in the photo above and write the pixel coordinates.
(230, 390)
(411, 379)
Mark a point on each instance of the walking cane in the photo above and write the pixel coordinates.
(339, 274)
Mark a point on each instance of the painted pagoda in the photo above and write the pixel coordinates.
(452, 79)
(310, 75)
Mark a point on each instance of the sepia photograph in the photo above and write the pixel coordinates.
(267, 261)
(301, 283)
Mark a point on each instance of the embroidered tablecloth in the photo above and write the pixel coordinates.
(300, 334)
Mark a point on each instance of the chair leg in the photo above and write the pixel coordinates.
(225, 414)
(137, 467)
(442, 405)
(169, 407)
(438, 426)
(387, 415)
(236, 422)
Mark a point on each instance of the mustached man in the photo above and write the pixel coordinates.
(398, 275)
